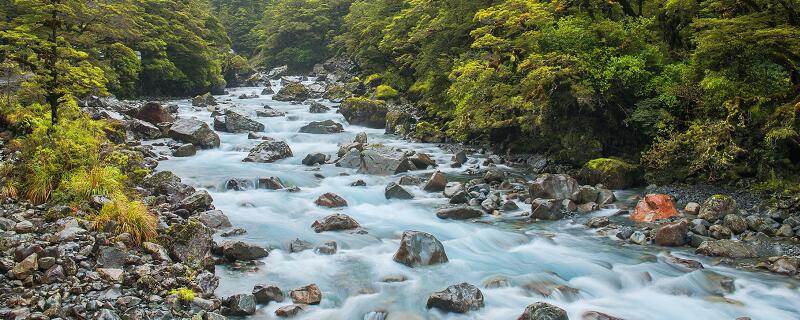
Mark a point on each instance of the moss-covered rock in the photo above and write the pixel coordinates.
(292, 92)
(399, 122)
(385, 92)
(365, 112)
(191, 243)
(336, 93)
(612, 173)
(428, 132)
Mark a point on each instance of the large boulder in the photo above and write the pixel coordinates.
(395, 191)
(198, 201)
(144, 130)
(335, 222)
(241, 251)
(459, 213)
(672, 234)
(655, 207)
(154, 112)
(553, 186)
(717, 207)
(317, 107)
(277, 72)
(460, 298)
(190, 243)
(195, 132)
(364, 112)
(315, 159)
(265, 293)
(310, 294)
(236, 122)
(611, 173)
(727, 248)
(166, 183)
(214, 219)
(436, 183)
(419, 248)
(543, 311)
(292, 92)
(269, 151)
(330, 200)
(382, 160)
(546, 209)
(241, 304)
(322, 127)
(204, 100)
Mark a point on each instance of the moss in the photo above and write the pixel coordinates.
(184, 294)
(612, 173)
(373, 80)
(428, 132)
(364, 111)
(386, 92)
(606, 165)
(336, 93)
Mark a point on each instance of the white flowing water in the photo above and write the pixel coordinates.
(623, 280)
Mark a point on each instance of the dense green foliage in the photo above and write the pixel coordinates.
(296, 33)
(129, 47)
(692, 89)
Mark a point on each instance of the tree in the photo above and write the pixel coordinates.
(41, 39)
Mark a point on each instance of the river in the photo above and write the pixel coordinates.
(610, 276)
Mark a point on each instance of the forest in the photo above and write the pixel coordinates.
(569, 130)
(692, 90)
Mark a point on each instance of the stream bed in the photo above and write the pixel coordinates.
(579, 268)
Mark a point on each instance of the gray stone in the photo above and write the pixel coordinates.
(553, 186)
(215, 219)
(395, 191)
(716, 207)
(269, 151)
(234, 250)
(436, 183)
(460, 298)
(195, 132)
(242, 305)
(335, 222)
(322, 127)
(459, 213)
(266, 293)
(236, 122)
(546, 209)
(543, 311)
(419, 248)
(185, 150)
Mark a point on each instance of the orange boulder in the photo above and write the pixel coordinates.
(654, 207)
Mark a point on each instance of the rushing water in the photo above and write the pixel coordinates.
(623, 280)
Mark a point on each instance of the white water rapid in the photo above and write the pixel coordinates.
(620, 279)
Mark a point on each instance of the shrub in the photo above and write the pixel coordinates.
(85, 183)
(131, 217)
(384, 92)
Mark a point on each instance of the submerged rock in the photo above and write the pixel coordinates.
(419, 248)
(460, 298)
(314, 159)
(543, 311)
(459, 213)
(335, 222)
(269, 151)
